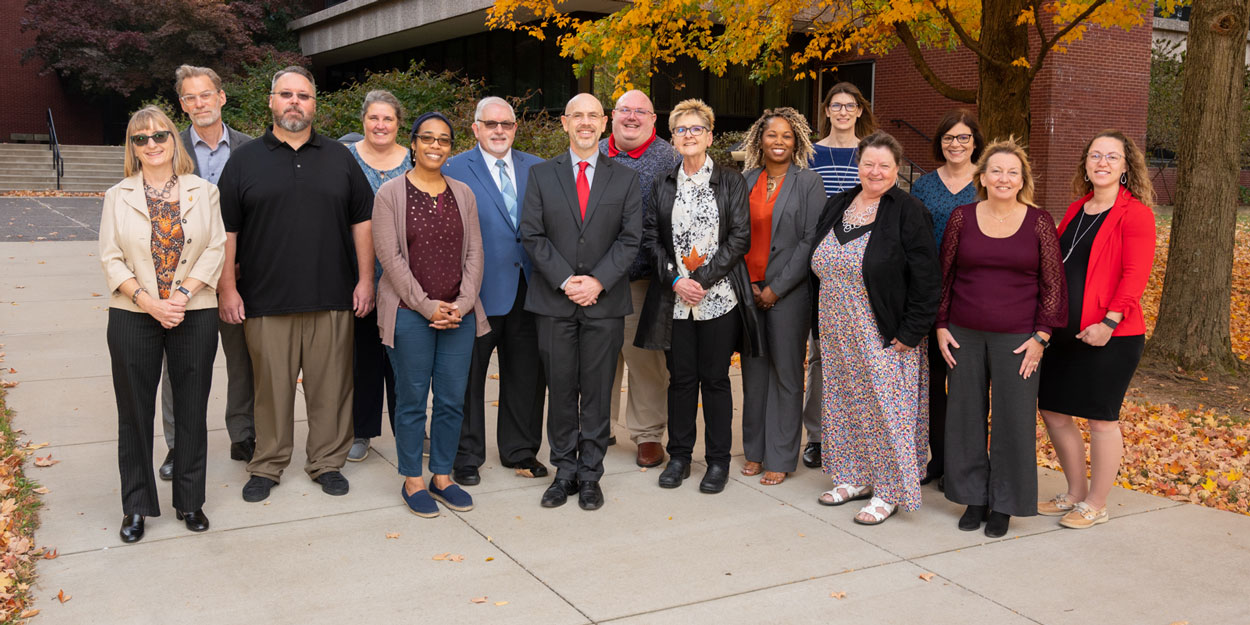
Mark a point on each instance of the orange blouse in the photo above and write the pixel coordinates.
(167, 242)
(761, 227)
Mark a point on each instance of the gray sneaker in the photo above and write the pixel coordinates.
(359, 450)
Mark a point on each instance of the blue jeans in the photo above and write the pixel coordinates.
(423, 355)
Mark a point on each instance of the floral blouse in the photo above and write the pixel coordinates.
(696, 230)
(167, 241)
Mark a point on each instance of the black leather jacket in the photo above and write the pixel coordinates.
(655, 323)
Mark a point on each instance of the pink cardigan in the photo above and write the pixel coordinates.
(391, 246)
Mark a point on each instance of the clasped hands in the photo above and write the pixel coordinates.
(446, 316)
(168, 312)
(583, 290)
(690, 291)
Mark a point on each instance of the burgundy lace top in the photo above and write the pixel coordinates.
(1009, 285)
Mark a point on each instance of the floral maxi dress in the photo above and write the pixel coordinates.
(876, 400)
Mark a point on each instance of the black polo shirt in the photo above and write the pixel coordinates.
(293, 211)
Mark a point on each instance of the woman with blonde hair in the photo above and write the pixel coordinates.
(1107, 238)
(1002, 297)
(162, 245)
(785, 200)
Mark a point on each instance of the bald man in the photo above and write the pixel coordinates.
(581, 225)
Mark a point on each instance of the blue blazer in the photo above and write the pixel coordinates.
(500, 238)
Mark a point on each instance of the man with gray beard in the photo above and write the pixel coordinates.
(297, 212)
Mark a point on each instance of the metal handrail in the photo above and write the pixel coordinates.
(911, 172)
(899, 123)
(58, 163)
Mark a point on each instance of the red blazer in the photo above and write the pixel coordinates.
(1120, 261)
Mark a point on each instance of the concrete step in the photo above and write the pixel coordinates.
(87, 167)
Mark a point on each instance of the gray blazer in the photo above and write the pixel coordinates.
(796, 213)
(236, 139)
(561, 244)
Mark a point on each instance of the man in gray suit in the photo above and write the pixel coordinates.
(581, 226)
(208, 140)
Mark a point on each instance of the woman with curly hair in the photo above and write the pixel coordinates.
(1107, 239)
(786, 199)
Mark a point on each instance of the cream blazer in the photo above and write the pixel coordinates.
(126, 240)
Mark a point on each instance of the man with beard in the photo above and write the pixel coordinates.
(297, 213)
(209, 141)
(581, 224)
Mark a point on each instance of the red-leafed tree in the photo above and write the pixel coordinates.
(130, 48)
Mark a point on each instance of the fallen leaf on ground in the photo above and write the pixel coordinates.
(42, 490)
(392, 534)
(28, 613)
(501, 603)
(494, 376)
(62, 597)
(7, 384)
(34, 446)
(1180, 623)
(489, 559)
(525, 473)
(455, 557)
(51, 555)
(12, 370)
(441, 556)
(46, 461)
(926, 576)
(95, 295)
(838, 595)
(478, 600)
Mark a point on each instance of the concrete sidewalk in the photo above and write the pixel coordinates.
(752, 554)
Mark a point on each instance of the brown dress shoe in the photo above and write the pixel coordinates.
(650, 454)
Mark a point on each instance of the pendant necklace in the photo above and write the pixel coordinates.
(1079, 234)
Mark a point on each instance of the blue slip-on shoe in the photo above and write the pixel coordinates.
(453, 497)
(419, 503)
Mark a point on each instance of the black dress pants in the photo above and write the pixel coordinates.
(698, 358)
(519, 425)
(371, 368)
(137, 343)
(937, 408)
(579, 358)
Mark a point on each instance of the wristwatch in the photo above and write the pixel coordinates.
(184, 291)
(1037, 337)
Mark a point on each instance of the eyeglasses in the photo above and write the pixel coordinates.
(287, 95)
(160, 136)
(838, 107)
(963, 139)
(579, 117)
(695, 131)
(1112, 159)
(192, 98)
(492, 124)
(625, 111)
(444, 140)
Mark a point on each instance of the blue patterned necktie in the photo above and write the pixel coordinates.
(509, 193)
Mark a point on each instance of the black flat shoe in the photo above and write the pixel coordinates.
(558, 493)
(589, 496)
(132, 528)
(673, 474)
(243, 450)
(811, 455)
(929, 477)
(996, 526)
(715, 479)
(166, 472)
(196, 521)
(972, 517)
(466, 476)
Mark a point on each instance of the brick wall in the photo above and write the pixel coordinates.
(25, 96)
(1164, 180)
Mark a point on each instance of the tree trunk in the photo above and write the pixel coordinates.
(1003, 91)
(1193, 325)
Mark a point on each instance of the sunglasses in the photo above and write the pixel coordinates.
(492, 124)
(160, 136)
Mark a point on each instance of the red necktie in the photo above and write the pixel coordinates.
(583, 187)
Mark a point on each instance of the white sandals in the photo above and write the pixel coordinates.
(836, 498)
(875, 504)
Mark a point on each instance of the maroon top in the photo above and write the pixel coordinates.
(435, 236)
(1010, 285)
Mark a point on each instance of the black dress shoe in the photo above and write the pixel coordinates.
(333, 483)
(589, 495)
(677, 470)
(972, 517)
(811, 455)
(466, 476)
(166, 471)
(257, 489)
(529, 467)
(243, 450)
(558, 493)
(715, 479)
(996, 525)
(196, 521)
(611, 440)
(132, 528)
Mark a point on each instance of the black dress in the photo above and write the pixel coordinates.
(1079, 379)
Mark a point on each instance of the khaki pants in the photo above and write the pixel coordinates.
(647, 414)
(320, 344)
